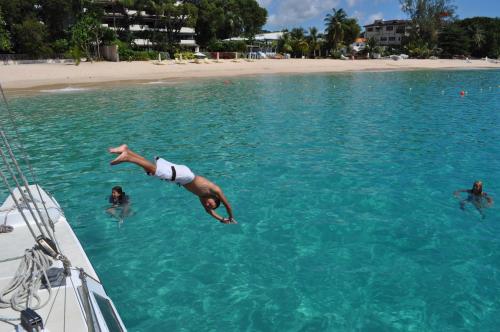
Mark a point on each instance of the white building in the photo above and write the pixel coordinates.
(387, 33)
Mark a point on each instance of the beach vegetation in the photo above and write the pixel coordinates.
(335, 25)
(5, 45)
(314, 42)
(227, 46)
(60, 46)
(427, 17)
(30, 38)
(340, 30)
(86, 36)
(224, 19)
(186, 55)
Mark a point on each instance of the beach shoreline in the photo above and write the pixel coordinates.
(33, 78)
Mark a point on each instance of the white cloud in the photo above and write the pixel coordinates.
(351, 3)
(358, 15)
(373, 17)
(264, 3)
(294, 12)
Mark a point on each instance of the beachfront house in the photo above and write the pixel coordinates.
(359, 44)
(264, 44)
(142, 26)
(387, 33)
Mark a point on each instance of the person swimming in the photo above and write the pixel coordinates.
(119, 203)
(476, 196)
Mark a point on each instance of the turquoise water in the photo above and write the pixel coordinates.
(342, 186)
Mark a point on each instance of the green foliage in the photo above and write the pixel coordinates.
(351, 31)
(428, 17)
(227, 46)
(5, 45)
(340, 30)
(30, 37)
(223, 19)
(60, 46)
(453, 41)
(84, 33)
(483, 34)
(418, 48)
(75, 53)
(185, 55)
(335, 26)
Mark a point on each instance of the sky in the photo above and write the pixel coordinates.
(308, 13)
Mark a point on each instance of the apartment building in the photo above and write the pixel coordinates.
(387, 33)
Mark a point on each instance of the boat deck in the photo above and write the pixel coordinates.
(63, 312)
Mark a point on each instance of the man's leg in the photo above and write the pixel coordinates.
(127, 155)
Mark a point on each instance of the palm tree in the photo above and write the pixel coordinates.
(335, 25)
(313, 40)
(285, 43)
(477, 36)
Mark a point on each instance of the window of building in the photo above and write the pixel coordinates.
(383, 38)
(392, 38)
(389, 28)
(369, 29)
(377, 28)
(400, 29)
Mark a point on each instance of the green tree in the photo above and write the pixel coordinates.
(335, 27)
(427, 17)
(351, 31)
(5, 45)
(453, 41)
(314, 44)
(84, 33)
(285, 43)
(58, 15)
(30, 37)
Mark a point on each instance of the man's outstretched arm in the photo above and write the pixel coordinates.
(218, 217)
(224, 201)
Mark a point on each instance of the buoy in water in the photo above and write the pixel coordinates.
(462, 93)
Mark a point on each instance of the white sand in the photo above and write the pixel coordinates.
(35, 76)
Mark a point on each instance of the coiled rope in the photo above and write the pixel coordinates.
(24, 286)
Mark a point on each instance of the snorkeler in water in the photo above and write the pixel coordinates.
(119, 203)
(476, 196)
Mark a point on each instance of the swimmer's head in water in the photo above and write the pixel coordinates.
(210, 202)
(117, 192)
(477, 187)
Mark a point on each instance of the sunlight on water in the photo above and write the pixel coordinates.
(342, 185)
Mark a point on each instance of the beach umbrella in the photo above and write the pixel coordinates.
(200, 55)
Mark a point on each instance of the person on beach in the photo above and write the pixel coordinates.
(119, 203)
(210, 195)
(476, 196)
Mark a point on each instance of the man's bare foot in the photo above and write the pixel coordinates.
(120, 159)
(120, 149)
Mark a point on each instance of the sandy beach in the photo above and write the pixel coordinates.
(33, 77)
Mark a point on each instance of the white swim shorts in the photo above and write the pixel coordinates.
(179, 174)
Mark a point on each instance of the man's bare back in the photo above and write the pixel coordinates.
(209, 193)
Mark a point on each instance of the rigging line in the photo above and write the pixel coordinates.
(52, 306)
(23, 197)
(10, 259)
(24, 154)
(77, 296)
(26, 185)
(64, 317)
(16, 202)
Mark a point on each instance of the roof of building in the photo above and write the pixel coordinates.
(388, 22)
(262, 36)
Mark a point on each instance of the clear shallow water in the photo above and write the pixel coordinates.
(342, 185)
